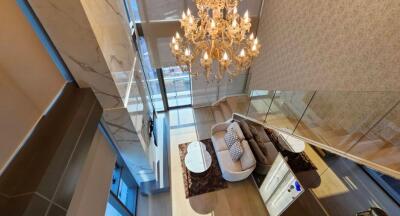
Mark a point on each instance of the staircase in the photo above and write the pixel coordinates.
(226, 106)
(343, 132)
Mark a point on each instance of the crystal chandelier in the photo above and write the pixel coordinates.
(219, 35)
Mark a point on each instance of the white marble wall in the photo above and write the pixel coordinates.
(69, 29)
(94, 40)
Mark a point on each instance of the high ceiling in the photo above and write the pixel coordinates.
(159, 21)
(156, 10)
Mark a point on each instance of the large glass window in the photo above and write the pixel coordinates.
(177, 87)
(123, 193)
(151, 77)
(389, 184)
(132, 9)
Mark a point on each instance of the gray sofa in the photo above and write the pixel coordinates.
(232, 170)
(259, 141)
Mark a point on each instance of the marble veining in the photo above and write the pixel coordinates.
(114, 9)
(88, 68)
(93, 38)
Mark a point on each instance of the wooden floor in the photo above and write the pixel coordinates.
(344, 188)
(241, 198)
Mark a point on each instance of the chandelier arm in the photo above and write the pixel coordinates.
(218, 34)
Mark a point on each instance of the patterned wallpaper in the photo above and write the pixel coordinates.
(329, 45)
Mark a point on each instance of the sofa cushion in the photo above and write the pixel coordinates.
(218, 140)
(230, 137)
(257, 152)
(236, 150)
(246, 130)
(235, 126)
(247, 160)
(263, 147)
(272, 152)
(226, 162)
(259, 134)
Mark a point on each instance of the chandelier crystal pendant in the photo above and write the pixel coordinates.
(219, 35)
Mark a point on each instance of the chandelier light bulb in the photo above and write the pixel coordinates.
(205, 56)
(225, 57)
(173, 40)
(254, 47)
(235, 10)
(177, 36)
(188, 12)
(256, 41)
(251, 36)
(234, 23)
(213, 25)
(246, 17)
(176, 47)
(183, 15)
(242, 53)
(187, 52)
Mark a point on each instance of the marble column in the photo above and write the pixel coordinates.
(94, 40)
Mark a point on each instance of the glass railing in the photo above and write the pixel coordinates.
(363, 125)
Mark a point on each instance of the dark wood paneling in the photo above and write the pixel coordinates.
(52, 159)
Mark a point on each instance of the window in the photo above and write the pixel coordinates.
(389, 184)
(177, 86)
(151, 77)
(132, 10)
(123, 193)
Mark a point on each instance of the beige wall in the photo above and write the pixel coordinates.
(330, 45)
(91, 193)
(29, 81)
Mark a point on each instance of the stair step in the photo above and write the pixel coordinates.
(238, 104)
(226, 111)
(218, 116)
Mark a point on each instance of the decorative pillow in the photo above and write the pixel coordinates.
(247, 159)
(246, 130)
(236, 151)
(259, 134)
(257, 152)
(230, 137)
(235, 126)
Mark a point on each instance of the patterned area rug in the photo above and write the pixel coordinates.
(198, 184)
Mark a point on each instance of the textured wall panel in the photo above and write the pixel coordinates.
(329, 45)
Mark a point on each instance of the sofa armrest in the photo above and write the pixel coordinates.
(219, 127)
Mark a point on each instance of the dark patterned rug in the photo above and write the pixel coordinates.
(211, 180)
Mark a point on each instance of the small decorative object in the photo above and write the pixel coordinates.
(373, 211)
(218, 35)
